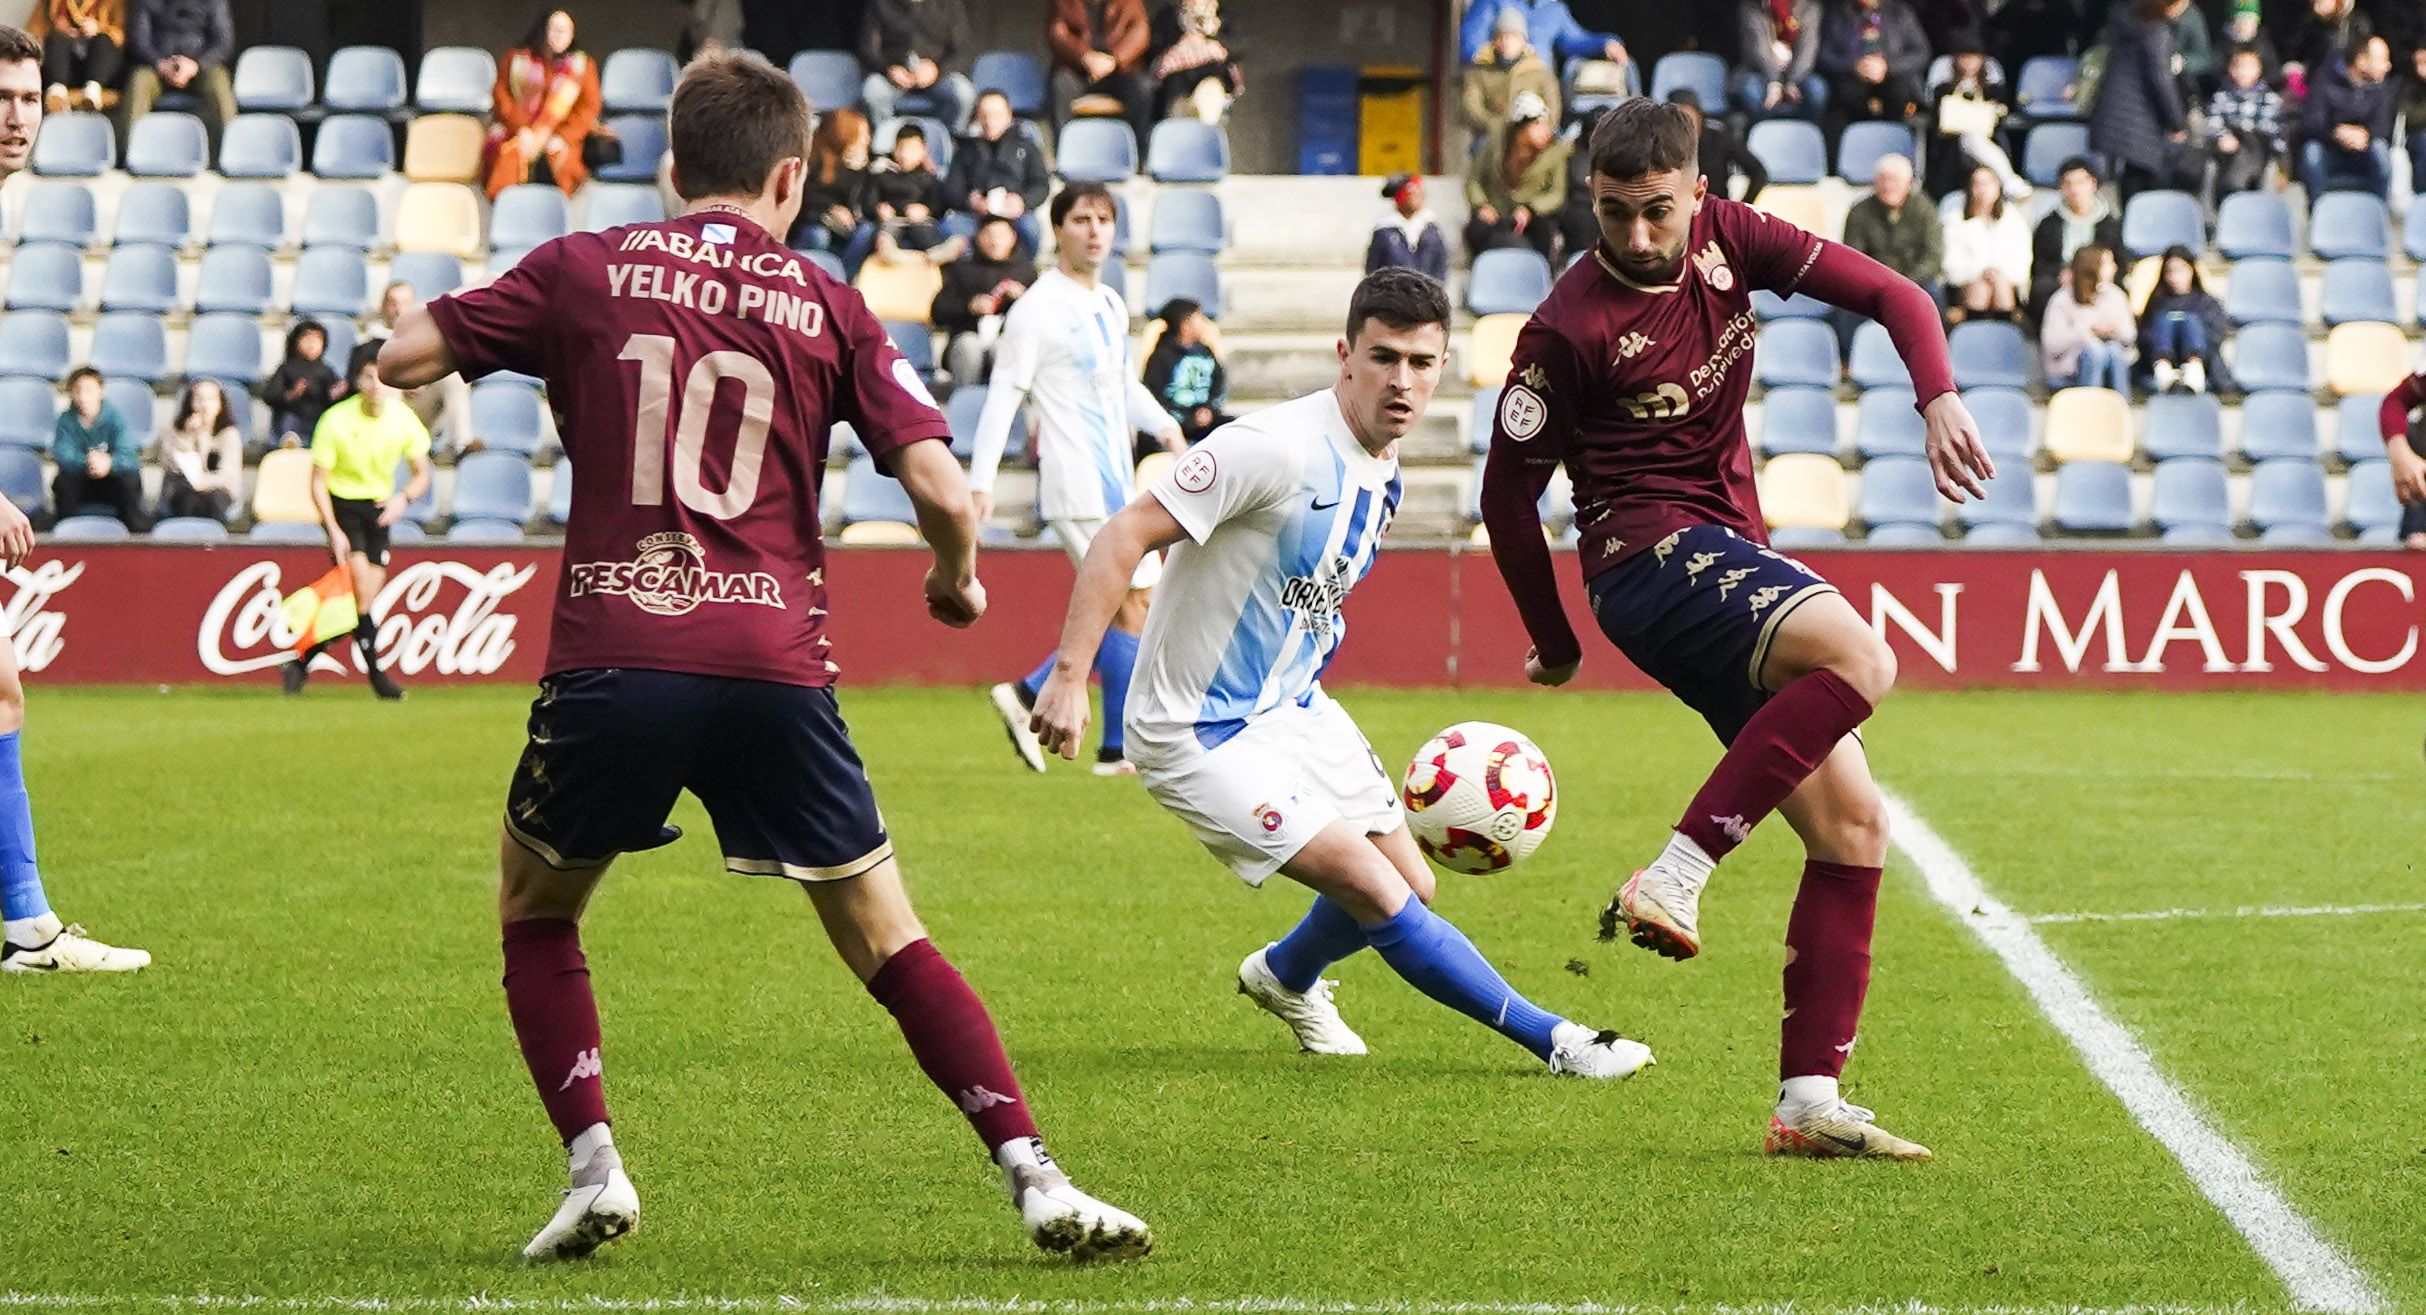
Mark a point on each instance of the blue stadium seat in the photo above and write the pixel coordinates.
(331, 282)
(167, 144)
(1187, 274)
(1120, 227)
(34, 342)
(1886, 424)
(2092, 497)
(1770, 306)
(1793, 538)
(1702, 73)
(612, 205)
(869, 495)
(372, 81)
(23, 481)
(637, 80)
(419, 511)
(1858, 151)
(1792, 149)
(458, 79)
(78, 144)
(249, 214)
(2045, 88)
(140, 278)
(2006, 422)
(46, 276)
(135, 405)
(1798, 420)
(2371, 507)
(342, 338)
(1097, 151)
(90, 529)
(2357, 289)
(1506, 280)
(2263, 291)
(829, 262)
(1018, 75)
(354, 146)
(130, 346)
(2190, 491)
(2419, 302)
(234, 279)
(189, 529)
(1874, 363)
(2350, 225)
(1481, 415)
(560, 494)
(432, 273)
(938, 135)
(1191, 219)
(287, 532)
(505, 416)
(341, 216)
(2358, 433)
(2048, 146)
(962, 409)
(1898, 490)
(59, 212)
(484, 530)
(260, 146)
(2253, 226)
(2012, 500)
(2287, 493)
(2183, 425)
(526, 215)
(273, 78)
(2413, 232)
(644, 144)
(2198, 534)
(1908, 534)
(1796, 353)
(1187, 151)
(222, 347)
(2271, 356)
(2278, 424)
(26, 405)
(154, 213)
(1989, 354)
(916, 343)
(493, 486)
(2154, 221)
(829, 77)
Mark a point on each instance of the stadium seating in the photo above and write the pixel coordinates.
(869, 495)
(2092, 497)
(260, 146)
(2154, 221)
(224, 347)
(78, 144)
(916, 343)
(1507, 280)
(1702, 73)
(2180, 425)
(273, 78)
(2287, 495)
(1799, 420)
(2271, 356)
(295, 532)
(167, 144)
(1886, 424)
(432, 273)
(135, 404)
(370, 80)
(455, 79)
(2358, 433)
(1791, 149)
(90, 529)
(445, 148)
(2357, 290)
(353, 146)
(526, 215)
(1899, 491)
(962, 410)
(1989, 354)
(439, 217)
(342, 338)
(1187, 151)
(1018, 75)
(829, 262)
(1875, 362)
(493, 486)
(2253, 225)
(232, 278)
(1489, 347)
(644, 144)
(2045, 87)
(331, 281)
(61, 211)
(282, 488)
(153, 212)
(33, 342)
(1800, 205)
(1188, 274)
(1796, 354)
(24, 482)
(1770, 306)
(2190, 491)
(2198, 535)
(2350, 225)
(637, 80)
(140, 278)
(2012, 501)
(249, 214)
(829, 77)
(1191, 219)
(2088, 424)
(1097, 151)
(2372, 510)
(26, 406)
(2364, 357)
(2006, 423)
(46, 276)
(1802, 491)
(506, 417)
(1910, 534)
(612, 205)
(1481, 415)
(2278, 424)
(903, 293)
(2048, 146)
(485, 530)
(341, 215)
(2263, 291)
(560, 494)
(189, 529)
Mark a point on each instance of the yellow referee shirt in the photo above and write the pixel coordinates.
(360, 451)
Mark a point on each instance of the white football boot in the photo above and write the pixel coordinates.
(1662, 913)
(1836, 1129)
(600, 1207)
(1582, 1052)
(1309, 1013)
(1062, 1219)
(69, 950)
(1014, 713)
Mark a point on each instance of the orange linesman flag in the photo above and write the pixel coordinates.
(321, 610)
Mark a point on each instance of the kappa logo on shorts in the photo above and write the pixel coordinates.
(1728, 581)
(1698, 563)
(1764, 596)
(1660, 550)
(669, 576)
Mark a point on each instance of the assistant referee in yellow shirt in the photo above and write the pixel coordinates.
(355, 450)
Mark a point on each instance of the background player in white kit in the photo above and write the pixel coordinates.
(1065, 345)
(1275, 518)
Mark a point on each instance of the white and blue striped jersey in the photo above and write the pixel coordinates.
(1284, 511)
(1065, 348)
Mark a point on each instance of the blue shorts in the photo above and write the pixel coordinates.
(611, 748)
(1697, 613)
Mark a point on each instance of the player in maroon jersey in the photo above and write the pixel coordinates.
(2408, 468)
(1633, 375)
(696, 366)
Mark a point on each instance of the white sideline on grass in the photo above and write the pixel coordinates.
(882, 1305)
(2244, 911)
(2317, 1275)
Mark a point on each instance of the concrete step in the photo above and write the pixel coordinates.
(1440, 437)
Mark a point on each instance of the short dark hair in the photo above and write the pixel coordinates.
(909, 132)
(2244, 48)
(82, 373)
(1177, 310)
(1399, 297)
(1640, 137)
(995, 92)
(16, 46)
(734, 118)
(2082, 163)
(1067, 199)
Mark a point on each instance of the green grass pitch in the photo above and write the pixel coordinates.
(314, 1093)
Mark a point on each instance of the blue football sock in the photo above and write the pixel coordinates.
(1115, 658)
(1033, 683)
(1327, 936)
(1437, 959)
(20, 881)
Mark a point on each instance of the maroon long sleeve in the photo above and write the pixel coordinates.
(1514, 476)
(1844, 277)
(2392, 420)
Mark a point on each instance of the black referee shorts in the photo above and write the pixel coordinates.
(359, 518)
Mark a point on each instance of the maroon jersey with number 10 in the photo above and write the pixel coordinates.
(695, 367)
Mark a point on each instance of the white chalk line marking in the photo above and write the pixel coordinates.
(2244, 911)
(2316, 1274)
(884, 1305)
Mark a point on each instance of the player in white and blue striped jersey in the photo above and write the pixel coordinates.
(1271, 521)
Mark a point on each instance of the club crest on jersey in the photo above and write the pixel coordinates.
(1713, 267)
(1633, 345)
(669, 576)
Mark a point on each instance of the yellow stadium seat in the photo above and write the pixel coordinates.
(2365, 357)
(1152, 468)
(879, 534)
(2140, 283)
(1799, 205)
(282, 487)
(443, 148)
(442, 217)
(1489, 347)
(2089, 424)
(1805, 491)
(900, 292)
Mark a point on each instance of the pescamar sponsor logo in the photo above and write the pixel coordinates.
(419, 632)
(669, 576)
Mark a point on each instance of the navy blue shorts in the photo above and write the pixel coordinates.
(1697, 613)
(611, 748)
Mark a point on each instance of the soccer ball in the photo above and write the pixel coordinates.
(1479, 797)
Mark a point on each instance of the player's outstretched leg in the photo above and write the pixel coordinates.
(1828, 669)
(36, 941)
(1285, 979)
(953, 1038)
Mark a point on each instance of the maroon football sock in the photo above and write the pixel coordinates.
(1784, 742)
(547, 990)
(954, 1040)
(1827, 968)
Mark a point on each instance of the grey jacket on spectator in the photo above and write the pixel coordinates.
(2139, 104)
(201, 30)
(1757, 29)
(1906, 46)
(1013, 164)
(893, 30)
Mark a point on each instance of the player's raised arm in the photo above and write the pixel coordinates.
(1844, 277)
(2408, 468)
(1528, 437)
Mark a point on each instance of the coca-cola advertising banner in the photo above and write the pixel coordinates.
(2309, 620)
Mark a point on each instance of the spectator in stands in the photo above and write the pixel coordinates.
(1550, 27)
(445, 406)
(2244, 124)
(1874, 56)
(977, 292)
(1966, 111)
(302, 386)
(2085, 341)
(2194, 58)
(1897, 229)
(2349, 115)
(2138, 120)
(2323, 37)
(1189, 56)
(1099, 52)
(99, 460)
(714, 25)
(1776, 62)
(2413, 114)
(181, 45)
(915, 46)
(2024, 30)
(2080, 218)
(1506, 67)
(1185, 374)
(1987, 253)
(1516, 183)
(1723, 158)
(201, 455)
(834, 191)
(2182, 329)
(905, 199)
(996, 170)
(546, 106)
(1407, 233)
(83, 51)
(2244, 29)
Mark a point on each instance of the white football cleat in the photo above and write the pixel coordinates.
(1661, 913)
(1309, 1013)
(1014, 714)
(71, 951)
(1585, 1053)
(1832, 1130)
(1064, 1220)
(591, 1216)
